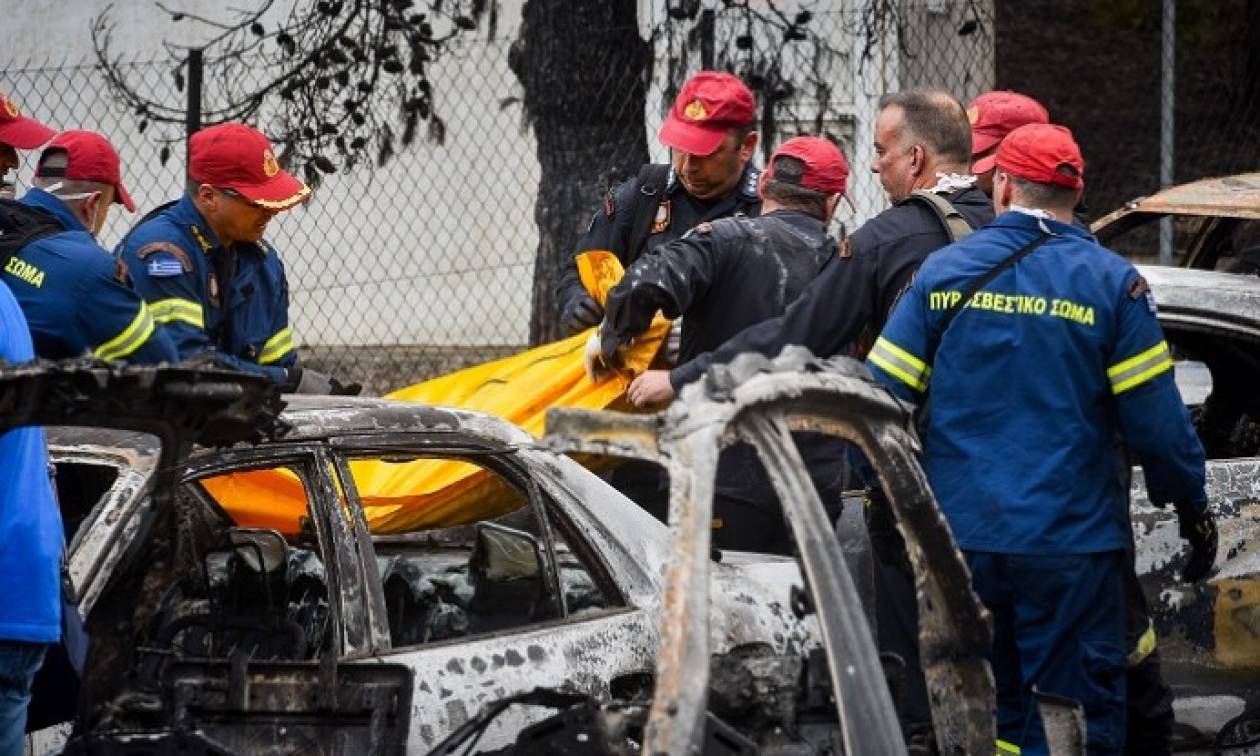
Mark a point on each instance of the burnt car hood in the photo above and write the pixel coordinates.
(1235, 196)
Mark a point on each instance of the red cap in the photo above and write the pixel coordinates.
(238, 157)
(710, 104)
(1044, 153)
(89, 157)
(16, 130)
(826, 170)
(993, 115)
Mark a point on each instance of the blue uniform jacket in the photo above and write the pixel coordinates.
(30, 523)
(178, 263)
(1030, 385)
(77, 298)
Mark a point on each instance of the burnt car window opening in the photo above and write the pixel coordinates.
(482, 567)
(249, 582)
(80, 487)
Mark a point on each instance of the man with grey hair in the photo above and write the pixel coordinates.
(76, 296)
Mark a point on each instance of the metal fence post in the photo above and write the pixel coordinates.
(1166, 122)
(192, 115)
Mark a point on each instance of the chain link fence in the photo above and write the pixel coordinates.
(413, 268)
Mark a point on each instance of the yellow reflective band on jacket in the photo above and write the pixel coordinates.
(899, 363)
(1006, 748)
(175, 309)
(277, 346)
(1138, 370)
(1144, 648)
(131, 338)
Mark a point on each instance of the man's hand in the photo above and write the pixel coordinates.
(593, 359)
(581, 313)
(651, 388)
(306, 381)
(1199, 530)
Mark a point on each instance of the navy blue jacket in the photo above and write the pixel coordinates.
(1030, 386)
(77, 298)
(180, 268)
(846, 305)
(677, 212)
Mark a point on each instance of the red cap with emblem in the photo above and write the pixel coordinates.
(993, 115)
(238, 157)
(1044, 153)
(710, 104)
(89, 157)
(825, 169)
(17, 130)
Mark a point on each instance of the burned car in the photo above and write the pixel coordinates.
(324, 636)
(1217, 222)
(1208, 631)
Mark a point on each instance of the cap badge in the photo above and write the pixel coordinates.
(696, 111)
(11, 108)
(973, 115)
(270, 166)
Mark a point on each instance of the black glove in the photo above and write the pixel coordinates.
(1199, 530)
(345, 389)
(581, 313)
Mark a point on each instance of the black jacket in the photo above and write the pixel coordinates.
(677, 212)
(845, 307)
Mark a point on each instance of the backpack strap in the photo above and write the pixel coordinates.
(956, 226)
(651, 182)
(20, 225)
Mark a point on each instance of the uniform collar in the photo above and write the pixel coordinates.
(42, 200)
(1015, 219)
(186, 213)
(745, 190)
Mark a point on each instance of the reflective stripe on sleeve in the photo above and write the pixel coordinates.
(175, 309)
(1004, 748)
(132, 337)
(1145, 646)
(901, 364)
(277, 346)
(1138, 370)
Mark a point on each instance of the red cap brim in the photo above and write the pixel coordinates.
(281, 192)
(981, 141)
(123, 197)
(690, 138)
(25, 133)
(984, 164)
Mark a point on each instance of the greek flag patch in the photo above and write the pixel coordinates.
(164, 266)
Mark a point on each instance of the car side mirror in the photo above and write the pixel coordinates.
(503, 554)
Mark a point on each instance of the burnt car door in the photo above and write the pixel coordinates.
(487, 606)
(176, 659)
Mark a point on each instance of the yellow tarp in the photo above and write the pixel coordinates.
(406, 496)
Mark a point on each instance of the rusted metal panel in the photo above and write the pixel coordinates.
(1235, 196)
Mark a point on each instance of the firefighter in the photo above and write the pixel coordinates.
(76, 296)
(17, 132)
(711, 133)
(207, 273)
(1149, 699)
(727, 274)
(1040, 347)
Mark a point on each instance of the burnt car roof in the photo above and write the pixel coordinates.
(315, 417)
(1236, 196)
(1200, 298)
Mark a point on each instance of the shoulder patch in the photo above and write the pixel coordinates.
(163, 266)
(750, 185)
(609, 207)
(846, 249)
(661, 221)
(1138, 287)
(166, 249)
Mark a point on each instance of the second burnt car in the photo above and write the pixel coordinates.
(327, 637)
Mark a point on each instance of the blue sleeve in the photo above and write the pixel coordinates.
(117, 322)
(174, 301)
(899, 357)
(1153, 420)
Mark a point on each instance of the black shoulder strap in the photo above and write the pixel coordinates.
(20, 225)
(956, 226)
(650, 183)
(978, 284)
